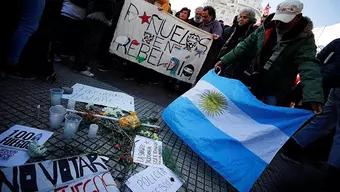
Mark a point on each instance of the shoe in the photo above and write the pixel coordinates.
(22, 76)
(104, 68)
(87, 73)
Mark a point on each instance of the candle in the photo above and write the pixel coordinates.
(70, 130)
(93, 130)
(72, 122)
(56, 94)
(56, 117)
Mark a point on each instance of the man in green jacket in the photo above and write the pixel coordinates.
(270, 58)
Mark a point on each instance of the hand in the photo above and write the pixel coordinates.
(215, 36)
(316, 107)
(218, 67)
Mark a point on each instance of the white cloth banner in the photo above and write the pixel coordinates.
(89, 94)
(15, 141)
(160, 41)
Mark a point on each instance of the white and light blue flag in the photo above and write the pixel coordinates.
(236, 134)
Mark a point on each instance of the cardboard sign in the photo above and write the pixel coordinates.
(15, 141)
(53, 174)
(160, 41)
(153, 179)
(147, 151)
(88, 94)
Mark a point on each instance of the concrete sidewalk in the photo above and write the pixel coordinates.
(19, 101)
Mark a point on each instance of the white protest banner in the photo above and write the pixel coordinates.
(154, 179)
(147, 151)
(160, 41)
(89, 94)
(52, 174)
(15, 141)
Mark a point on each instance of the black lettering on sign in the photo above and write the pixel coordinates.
(75, 165)
(205, 46)
(20, 134)
(123, 45)
(4, 181)
(13, 133)
(83, 164)
(170, 47)
(28, 178)
(132, 9)
(155, 24)
(92, 158)
(65, 171)
(144, 49)
(9, 141)
(155, 56)
(164, 29)
(158, 43)
(131, 48)
(53, 179)
(176, 36)
(28, 136)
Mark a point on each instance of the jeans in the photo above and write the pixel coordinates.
(28, 24)
(322, 124)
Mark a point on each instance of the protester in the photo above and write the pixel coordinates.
(97, 34)
(243, 26)
(184, 14)
(197, 19)
(269, 59)
(28, 22)
(211, 25)
(327, 122)
(70, 30)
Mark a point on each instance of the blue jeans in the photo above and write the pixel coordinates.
(322, 124)
(28, 23)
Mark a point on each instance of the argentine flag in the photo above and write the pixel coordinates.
(236, 134)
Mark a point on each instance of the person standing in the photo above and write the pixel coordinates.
(270, 58)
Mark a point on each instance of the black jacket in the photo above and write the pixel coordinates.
(330, 64)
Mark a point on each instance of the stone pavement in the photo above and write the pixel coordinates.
(18, 105)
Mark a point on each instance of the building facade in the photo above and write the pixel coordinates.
(227, 9)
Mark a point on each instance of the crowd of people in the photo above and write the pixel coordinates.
(276, 59)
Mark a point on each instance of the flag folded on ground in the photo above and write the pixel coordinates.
(236, 134)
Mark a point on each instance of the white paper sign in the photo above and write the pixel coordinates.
(154, 179)
(15, 141)
(99, 183)
(160, 41)
(147, 151)
(89, 94)
(68, 174)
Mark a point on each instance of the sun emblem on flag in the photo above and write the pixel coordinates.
(213, 103)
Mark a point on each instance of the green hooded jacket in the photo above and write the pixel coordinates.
(296, 54)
